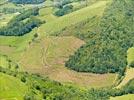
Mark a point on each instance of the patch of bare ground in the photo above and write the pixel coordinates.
(48, 56)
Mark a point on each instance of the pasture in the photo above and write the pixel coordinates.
(124, 97)
(71, 19)
(11, 88)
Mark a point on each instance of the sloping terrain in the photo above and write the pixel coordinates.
(11, 88)
(48, 57)
(49, 54)
(38, 65)
(73, 18)
(107, 51)
(125, 97)
(129, 74)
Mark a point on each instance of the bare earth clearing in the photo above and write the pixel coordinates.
(47, 57)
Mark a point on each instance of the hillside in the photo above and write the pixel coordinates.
(107, 51)
(66, 50)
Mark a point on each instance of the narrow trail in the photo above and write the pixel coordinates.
(44, 56)
(129, 74)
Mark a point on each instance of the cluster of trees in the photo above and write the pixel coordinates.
(26, 14)
(65, 10)
(27, 1)
(17, 26)
(107, 50)
(64, 6)
(131, 64)
(61, 3)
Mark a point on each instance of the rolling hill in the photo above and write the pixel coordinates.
(86, 53)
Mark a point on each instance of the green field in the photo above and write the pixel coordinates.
(11, 88)
(124, 97)
(34, 66)
(73, 18)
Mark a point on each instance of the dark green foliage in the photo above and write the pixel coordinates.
(23, 79)
(107, 52)
(25, 14)
(65, 10)
(131, 64)
(106, 93)
(29, 96)
(27, 1)
(61, 3)
(98, 94)
(129, 87)
(18, 27)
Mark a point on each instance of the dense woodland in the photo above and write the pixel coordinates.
(21, 24)
(64, 10)
(27, 1)
(108, 50)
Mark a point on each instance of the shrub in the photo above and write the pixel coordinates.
(23, 79)
(131, 64)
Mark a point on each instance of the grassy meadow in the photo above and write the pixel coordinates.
(33, 67)
(125, 97)
(11, 88)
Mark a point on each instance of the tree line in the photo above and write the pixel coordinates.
(21, 24)
(27, 1)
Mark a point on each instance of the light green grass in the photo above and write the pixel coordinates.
(3, 61)
(124, 97)
(5, 18)
(130, 56)
(73, 18)
(129, 74)
(11, 88)
(17, 41)
(2, 1)
(15, 46)
(46, 14)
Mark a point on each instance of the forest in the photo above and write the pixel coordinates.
(107, 52)
(17, 26)
(27, 1)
